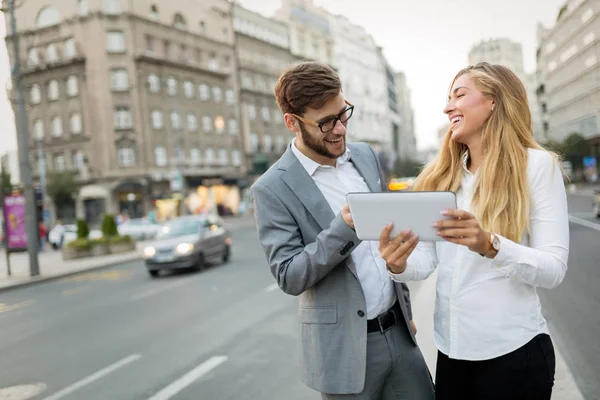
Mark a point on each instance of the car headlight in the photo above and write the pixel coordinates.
(149, 252)
(184, 248)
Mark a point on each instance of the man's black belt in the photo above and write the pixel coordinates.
(386, 320)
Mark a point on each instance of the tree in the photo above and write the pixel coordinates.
(407, 168)
(575, 148)
(83, 230)
(109, 226)
(62, 189)
(5, 181)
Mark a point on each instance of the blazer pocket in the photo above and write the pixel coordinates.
(318, 315)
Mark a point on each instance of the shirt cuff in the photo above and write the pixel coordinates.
(503, 261)
(401, 277)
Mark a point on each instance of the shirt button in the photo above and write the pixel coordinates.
(361, 313)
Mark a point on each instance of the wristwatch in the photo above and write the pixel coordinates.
(495, 242)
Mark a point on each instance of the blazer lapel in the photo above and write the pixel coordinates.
(365, 168)
(303, 186)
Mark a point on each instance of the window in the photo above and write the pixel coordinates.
(51, 53)
(253, 142)
(236, 159)
(229, 96)
(213, 63)
(175, 121)
(179, 154)
(223, 157)
(251, 112)
(119, 80)
(38, 129)
(188, 89)
(32, 57)
(587, 15)
(35, 94)
(57, 129)
(154, 13)
(195, 156)
(47, 16)
(203, 92)
(179, 22)
(220, 124)
(266, 115)
(202, 27)
(171, 86)
(153, 83)
(232, 127)
(157, 119)
(69, 48)
(267, 143)
(160, 156)
(75, 123)
(280, 144)
(78, 160)
(192, 122)
(115, 42)
(210, 156)
(122, 118)
(83, 7)
(72, 86)
(112, 7)
(217, 94)
(246, 82)
(126, 157)
(207, 124)
(53, 91)
(59, 162)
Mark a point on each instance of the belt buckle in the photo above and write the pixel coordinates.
(381, 317)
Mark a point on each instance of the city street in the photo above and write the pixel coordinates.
(223, 333)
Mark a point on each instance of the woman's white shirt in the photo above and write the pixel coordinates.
(486, 308)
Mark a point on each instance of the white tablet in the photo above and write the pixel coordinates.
(417, 211)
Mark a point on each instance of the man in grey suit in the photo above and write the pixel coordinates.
(356, 333)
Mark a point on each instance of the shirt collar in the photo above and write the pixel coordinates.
(465, 161)
(311, 165)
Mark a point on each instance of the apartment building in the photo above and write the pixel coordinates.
(407, 149)
(568, 73)
(262, 48)
(138, 99)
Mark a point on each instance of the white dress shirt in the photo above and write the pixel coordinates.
(335, 183)
(486, 308)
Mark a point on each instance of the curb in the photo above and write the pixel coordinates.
(41, 279)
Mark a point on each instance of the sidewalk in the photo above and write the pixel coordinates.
(53, 266)
(581, 189)
(422, 295)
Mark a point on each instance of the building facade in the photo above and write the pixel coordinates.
(9, 162)
(568, 73)
(136, 98)
(505, 52)
(407, 148)
(263, 52)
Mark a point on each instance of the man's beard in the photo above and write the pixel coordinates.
(318, 145)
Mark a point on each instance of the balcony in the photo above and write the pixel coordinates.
(186, 64)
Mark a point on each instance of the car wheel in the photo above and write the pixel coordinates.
(200, 262)
(226, 254)
(153, 273)
(596, 210)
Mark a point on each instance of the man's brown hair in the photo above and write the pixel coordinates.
(305, 85)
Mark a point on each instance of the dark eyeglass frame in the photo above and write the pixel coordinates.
(335, 119)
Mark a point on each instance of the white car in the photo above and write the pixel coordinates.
(139, 228)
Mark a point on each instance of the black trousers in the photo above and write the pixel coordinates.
(524, 374)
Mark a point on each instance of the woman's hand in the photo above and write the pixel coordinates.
(462, 228)
(395, 251)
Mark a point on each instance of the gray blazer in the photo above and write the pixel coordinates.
(308, 248)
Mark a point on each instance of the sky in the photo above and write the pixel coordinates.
(428, 39)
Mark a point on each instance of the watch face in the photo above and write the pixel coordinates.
(496, 244)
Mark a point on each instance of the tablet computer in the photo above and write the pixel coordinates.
(417, 211)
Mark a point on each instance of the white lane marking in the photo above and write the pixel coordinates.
(585, 223)
(94, 377)
(22, 392)
(160, 289)
(189, 378)
(271, 288)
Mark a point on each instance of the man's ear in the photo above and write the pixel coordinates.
(291, 122)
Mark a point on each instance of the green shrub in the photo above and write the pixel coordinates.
(120, 239)
(80, 244)
(109, 226)
(83, 230)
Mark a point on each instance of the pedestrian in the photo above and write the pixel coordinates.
(42, 232)
(356, 331)
(509, 236)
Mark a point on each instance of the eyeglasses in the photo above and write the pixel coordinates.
(329, 124)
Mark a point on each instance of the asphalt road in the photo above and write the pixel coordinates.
(572, 308)
(223, 333)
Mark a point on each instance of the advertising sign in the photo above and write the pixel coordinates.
(14, 217)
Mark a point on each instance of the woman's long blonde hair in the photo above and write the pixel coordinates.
(501, 195)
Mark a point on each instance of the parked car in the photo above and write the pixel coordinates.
(596, 203)
(188, 242)
(139, 228)
(61, 234)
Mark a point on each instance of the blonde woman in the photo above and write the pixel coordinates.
(509, 235)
